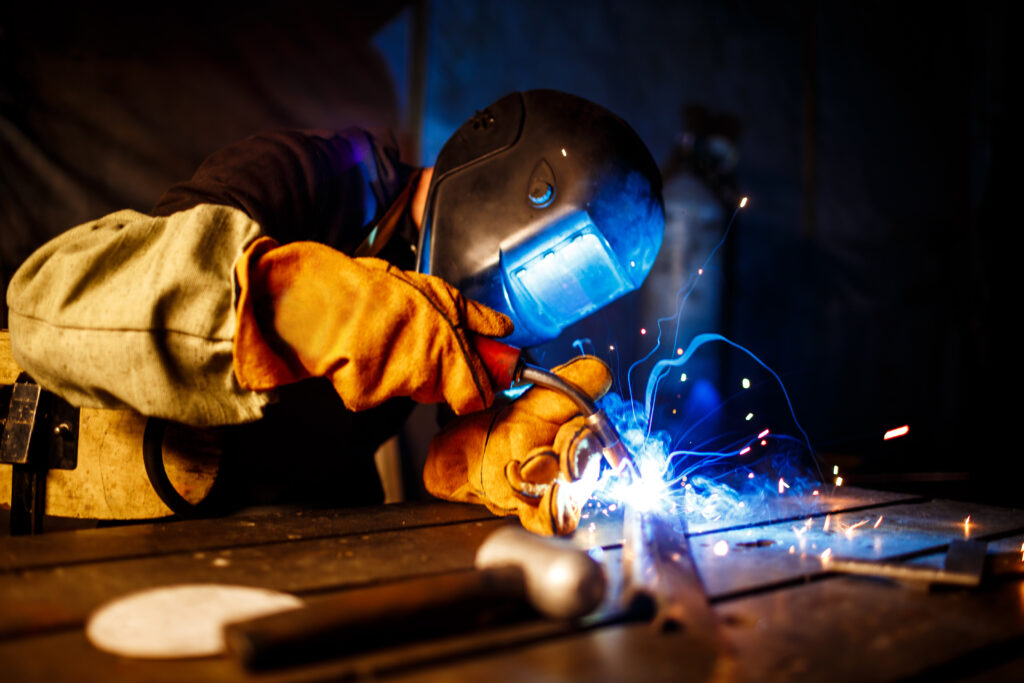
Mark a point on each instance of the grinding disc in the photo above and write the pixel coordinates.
(179, 621)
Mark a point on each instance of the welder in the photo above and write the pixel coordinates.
(292, 260)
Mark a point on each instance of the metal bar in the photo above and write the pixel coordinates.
(900, 572)
(28, 490)
(657, 562)
(20, 425)
(964, 565)
(417, 69)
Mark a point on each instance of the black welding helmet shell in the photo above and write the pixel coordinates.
(543, 206)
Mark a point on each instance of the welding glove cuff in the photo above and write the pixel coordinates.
(377, 332)
(521, 457)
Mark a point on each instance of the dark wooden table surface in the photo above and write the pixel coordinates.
(785, 617)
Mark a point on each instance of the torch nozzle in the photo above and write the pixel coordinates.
(621, 461)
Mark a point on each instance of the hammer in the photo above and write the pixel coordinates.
(557, 580)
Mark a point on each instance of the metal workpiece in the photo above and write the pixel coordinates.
(657, 563)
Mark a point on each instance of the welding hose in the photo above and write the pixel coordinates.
(506, 366)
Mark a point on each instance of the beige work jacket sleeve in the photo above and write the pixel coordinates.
(133, 311)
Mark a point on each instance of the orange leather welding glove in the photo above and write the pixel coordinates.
(306, 310)
(518, 457)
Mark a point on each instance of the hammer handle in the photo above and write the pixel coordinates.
(364, 618)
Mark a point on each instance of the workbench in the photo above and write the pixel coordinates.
(785, 616)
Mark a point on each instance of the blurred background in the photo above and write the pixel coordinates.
(870, 139)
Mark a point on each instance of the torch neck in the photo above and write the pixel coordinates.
(532, 374)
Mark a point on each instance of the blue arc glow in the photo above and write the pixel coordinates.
(663, 367)
(683, 296)
(725, 477)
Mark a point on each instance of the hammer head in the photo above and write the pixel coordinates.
(561, 581)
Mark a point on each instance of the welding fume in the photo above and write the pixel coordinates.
(302, 290)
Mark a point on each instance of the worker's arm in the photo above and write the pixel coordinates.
(330, 188)
(131, 311)
(136, 311)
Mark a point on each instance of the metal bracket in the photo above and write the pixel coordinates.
(20, 423)
(40, 433)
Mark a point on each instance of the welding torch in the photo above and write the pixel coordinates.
(507, 367)
(657, 561)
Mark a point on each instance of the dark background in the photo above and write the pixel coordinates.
(872, 142)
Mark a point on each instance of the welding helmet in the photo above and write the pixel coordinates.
(543, 206)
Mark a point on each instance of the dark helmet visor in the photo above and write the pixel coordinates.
(545, 207)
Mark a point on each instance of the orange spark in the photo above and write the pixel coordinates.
(849, 530)
(879, 521)
(897, 432)
(828, 522)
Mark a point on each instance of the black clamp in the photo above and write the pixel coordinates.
(40, 433)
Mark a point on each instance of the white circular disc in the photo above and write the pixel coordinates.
(179, 621)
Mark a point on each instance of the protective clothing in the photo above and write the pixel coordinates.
(306, 310)
(518, 456)
(138, 312)
(543, 206)
(135, 311)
